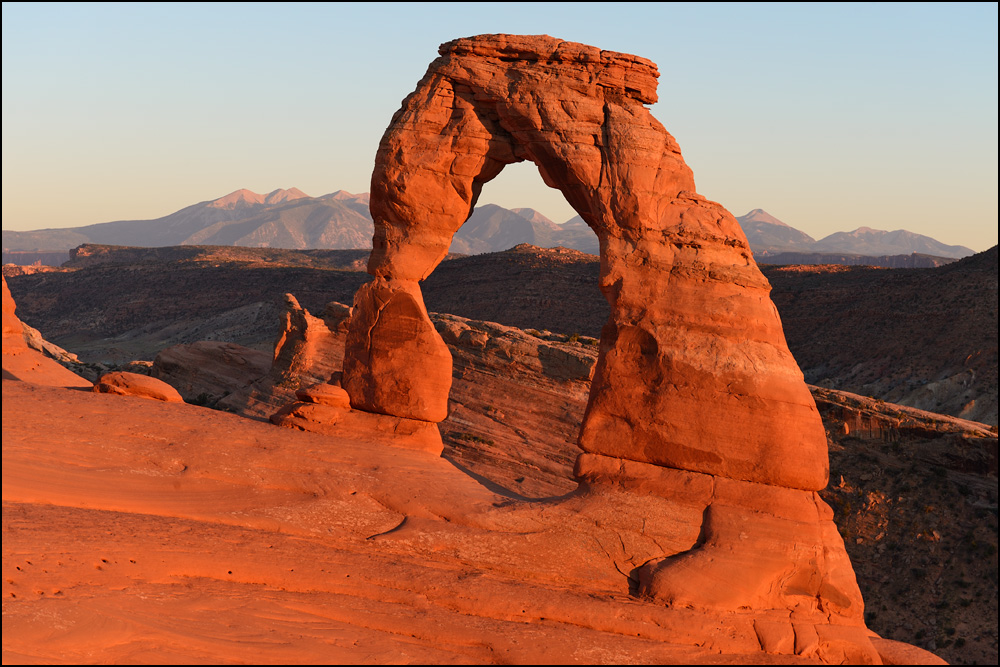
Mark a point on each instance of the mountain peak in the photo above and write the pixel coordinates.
(280, 195)
(760, 215)
(531, 215)
(244, 198)
(344, 195)
(239, 198)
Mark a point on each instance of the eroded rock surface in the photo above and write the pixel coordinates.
(13, 330)
(396, 363)
(206, 371)
(302, 547)
(23, 357)
(124, 383)
(516, 405)
(693, 373)
(307, 351)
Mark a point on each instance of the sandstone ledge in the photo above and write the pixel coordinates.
(339, 421)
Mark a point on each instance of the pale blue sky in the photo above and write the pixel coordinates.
(829, 117)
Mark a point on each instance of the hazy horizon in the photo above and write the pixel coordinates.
(828, 117)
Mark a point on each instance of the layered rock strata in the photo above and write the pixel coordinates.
(513, 412)
(207, 371)
(693, 373)
(308, 350)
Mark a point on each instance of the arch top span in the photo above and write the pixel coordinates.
(575, 111)
(623, 73)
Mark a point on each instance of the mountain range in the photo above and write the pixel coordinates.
(769, 236)
(291, 219)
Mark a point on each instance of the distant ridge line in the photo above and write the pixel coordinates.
(290, 218)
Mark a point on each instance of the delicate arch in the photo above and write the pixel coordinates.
(711, 387)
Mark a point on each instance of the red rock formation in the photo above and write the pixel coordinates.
(13, 330)
(395, 362)
(693, 374)
(516, 398)
(109, 503)
(132, 384)
(319, 411)
(308, 350)
(21, 361)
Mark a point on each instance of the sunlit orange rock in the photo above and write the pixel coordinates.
(132, 384)
(395, 362)
(693, 375)
(13, 330)
(308, 350)
(21, 362)
(324, 394)
(319, 411)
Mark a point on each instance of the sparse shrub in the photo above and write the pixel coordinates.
(203, 399)
(573, 338)
(470, 437)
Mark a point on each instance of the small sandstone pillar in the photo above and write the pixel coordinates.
(395, 362)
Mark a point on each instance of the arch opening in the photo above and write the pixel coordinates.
(504, 217)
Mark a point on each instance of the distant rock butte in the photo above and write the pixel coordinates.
(695, 394)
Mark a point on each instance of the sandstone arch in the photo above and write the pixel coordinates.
(693, 376)
(694, 372)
